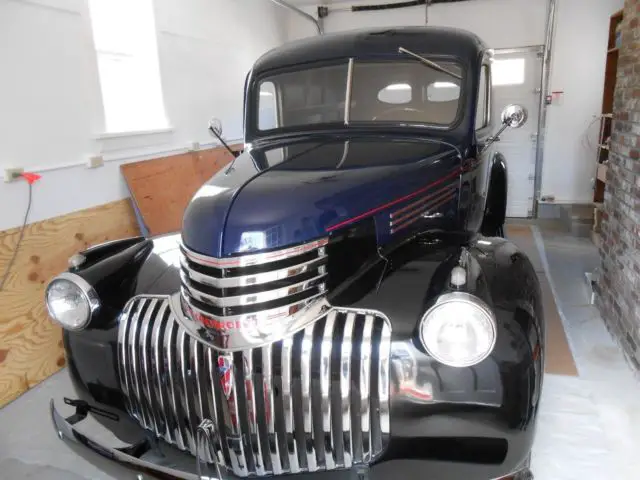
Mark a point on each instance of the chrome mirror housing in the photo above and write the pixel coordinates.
(215, 125)
(514, 116)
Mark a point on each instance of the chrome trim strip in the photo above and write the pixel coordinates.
(384, 378)
(347, 101)
(419, 215)
(345, 387)
(145, 339)
(406, 211)
(252, 298)
(252, 259)
(251, 413)
(307, 410)
(264, 315)
(147, 355)
(183, 343)
(365, 366)
(171, 359)
(255, 279)
(237, 435)
(133, 355)
(287, 397)
(157, 335)
(222, 453)
(267, 378)
(325, 386)
(123, 332)
(198, 364)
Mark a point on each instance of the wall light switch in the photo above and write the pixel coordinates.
(95, 161)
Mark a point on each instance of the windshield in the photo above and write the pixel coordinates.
(381, 91)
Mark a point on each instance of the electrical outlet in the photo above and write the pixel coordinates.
(194, 146)
(12, 174)
(95, 161)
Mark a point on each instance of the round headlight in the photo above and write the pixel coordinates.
(71, 301)
(459, 330)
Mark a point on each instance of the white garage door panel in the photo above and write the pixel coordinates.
(516, 79)
(520, 174)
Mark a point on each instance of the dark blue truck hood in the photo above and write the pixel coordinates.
(285, 195)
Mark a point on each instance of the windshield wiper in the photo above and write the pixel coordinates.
(429, 63)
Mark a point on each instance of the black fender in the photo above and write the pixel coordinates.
(496, 399)
(496, 205)
(117, 270)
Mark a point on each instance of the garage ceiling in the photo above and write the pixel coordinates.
(343, 3)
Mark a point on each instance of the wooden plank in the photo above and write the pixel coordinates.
(162, 188)
(602, 173)
(30, 344)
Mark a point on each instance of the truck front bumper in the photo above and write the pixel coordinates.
(163, 461)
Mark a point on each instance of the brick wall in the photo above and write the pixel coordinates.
(618, 290)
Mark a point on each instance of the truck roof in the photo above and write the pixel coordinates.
(379, 41)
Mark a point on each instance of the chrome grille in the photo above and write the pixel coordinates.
(230, 288)
(318, 400)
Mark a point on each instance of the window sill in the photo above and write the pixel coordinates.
(136, 133)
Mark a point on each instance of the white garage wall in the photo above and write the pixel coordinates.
(578, 63)
(51, 117)
(501, 23)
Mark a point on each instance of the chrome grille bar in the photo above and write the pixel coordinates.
(365, 375)
(228, 289)
(307, 403)
(345, 388)
(325, 383)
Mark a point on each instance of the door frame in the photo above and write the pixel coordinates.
(537, 180)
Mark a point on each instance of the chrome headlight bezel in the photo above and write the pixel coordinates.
(88, 293)
(467, 299)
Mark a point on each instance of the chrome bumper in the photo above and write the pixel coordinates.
(66, 430)
(174, 464)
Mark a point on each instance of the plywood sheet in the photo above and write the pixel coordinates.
(30, 344)
(161, 188)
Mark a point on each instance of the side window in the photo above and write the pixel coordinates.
(268, 107)
(482, 113)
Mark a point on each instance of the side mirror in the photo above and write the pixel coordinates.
(514, 116)
(215, 125)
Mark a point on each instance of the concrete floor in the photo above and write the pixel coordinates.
(588, 427)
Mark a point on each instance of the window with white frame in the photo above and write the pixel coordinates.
(508, 71)
(126, 47)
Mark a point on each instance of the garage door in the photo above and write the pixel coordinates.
(516, 76)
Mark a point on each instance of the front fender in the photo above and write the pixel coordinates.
(118, 271)
(496, 207)
(496, 399)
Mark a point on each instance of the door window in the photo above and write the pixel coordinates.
(268, 110)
